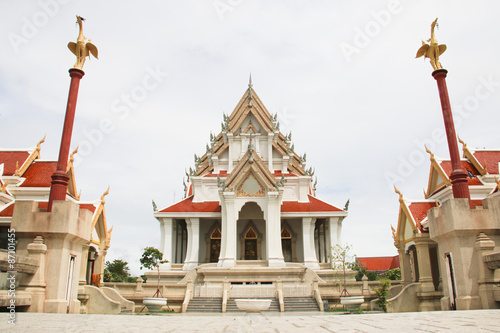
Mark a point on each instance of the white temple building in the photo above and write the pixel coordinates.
(250, 200)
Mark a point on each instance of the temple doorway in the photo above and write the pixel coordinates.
(250, 245)
(215, 239)
(251, 232)
(286, 244)
(92, 255)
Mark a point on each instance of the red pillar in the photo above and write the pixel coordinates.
(59, 185)
(458, 175)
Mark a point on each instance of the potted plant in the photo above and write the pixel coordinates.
(151, 259)
(344, 260)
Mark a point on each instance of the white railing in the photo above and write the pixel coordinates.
(254, 291)
(296, 290)
(208, 290)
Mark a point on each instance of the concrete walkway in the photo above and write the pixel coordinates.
(450, 321)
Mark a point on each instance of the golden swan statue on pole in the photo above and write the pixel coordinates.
(81, 48)
(432, 51)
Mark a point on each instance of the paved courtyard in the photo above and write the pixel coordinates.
(450, 321)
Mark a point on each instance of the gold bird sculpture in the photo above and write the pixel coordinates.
(432, 51)
(82, 48)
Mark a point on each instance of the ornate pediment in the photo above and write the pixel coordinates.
(250, 187)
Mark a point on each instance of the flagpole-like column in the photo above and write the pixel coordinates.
(458, 175)
(60, 178)
(432, 51)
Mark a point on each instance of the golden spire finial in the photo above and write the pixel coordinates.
(38, 145)
(394, 234)
(398, 192)
(72, 157)
(432, 50)
(429, 152)
(81, 48)
(103, 195)
(462, 142)
(107, 240)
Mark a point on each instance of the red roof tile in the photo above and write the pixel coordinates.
(379, 263)
(10, 159)
(419, 211)
(89, 207)
(38, 174)
(8, 211)
(314, 205)
(188, 206)
(492, 158)
(467, 166)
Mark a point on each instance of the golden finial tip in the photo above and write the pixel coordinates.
(104, 194)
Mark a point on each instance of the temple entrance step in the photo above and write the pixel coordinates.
(205, 304)
(232, 307)
(300, 304)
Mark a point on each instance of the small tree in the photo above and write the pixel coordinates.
(382, 292)
(361, 271)
(343, 259)
(151, 259)
(393, 274)
(117, 271)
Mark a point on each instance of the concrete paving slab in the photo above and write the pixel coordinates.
(449, 321)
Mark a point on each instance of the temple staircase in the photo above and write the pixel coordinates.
(300, 304)
(205, 304)
(232, 307)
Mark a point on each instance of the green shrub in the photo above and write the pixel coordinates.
(382, 292)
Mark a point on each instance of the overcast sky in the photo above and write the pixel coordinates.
(342, 76)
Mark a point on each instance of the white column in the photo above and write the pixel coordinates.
(193, 245)
(227, 256)
(166, 242)
(273, 231)
(334, 226)
(310, 259)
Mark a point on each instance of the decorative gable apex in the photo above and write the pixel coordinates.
(251, 168)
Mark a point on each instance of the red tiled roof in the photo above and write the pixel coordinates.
(10, 159)
(492, 158)
(314, 205)
(467, 166)
(8, 211)
(187, 205)
(379, 263)
(89, 207)
(38, 174)
(419, 211)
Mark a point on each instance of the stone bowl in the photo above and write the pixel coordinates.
(352, 303)
(154, 304)
(253, 304)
